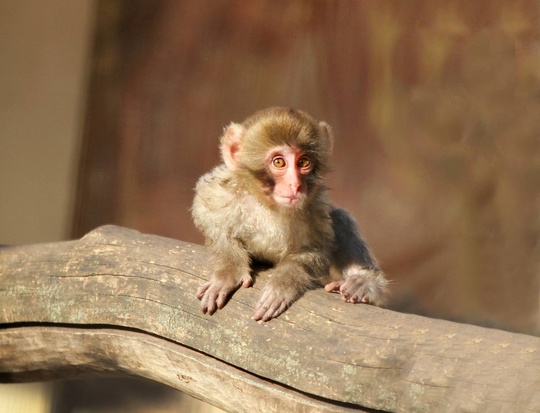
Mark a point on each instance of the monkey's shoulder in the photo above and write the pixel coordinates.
(218, 193)
(216, 187)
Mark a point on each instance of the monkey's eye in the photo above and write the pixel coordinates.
(304, 162)
(278, 162)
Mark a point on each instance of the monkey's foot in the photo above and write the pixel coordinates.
(362, 285)
(215, 294)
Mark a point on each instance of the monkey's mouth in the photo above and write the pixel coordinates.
(287, 200)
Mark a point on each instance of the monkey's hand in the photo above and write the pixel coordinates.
(273, 302)
(215, 293)
(361, 285)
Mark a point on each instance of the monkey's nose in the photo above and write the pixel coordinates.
(294, 182)
(295, 187)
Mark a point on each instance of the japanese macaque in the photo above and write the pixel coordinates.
(267, 202)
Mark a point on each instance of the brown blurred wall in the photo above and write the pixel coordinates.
(433, 103)
(44, 52)
(442, 119)
(44, 47)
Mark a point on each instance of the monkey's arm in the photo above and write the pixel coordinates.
(290, 278)
(213, 215)
(360, 279)
(231, 270)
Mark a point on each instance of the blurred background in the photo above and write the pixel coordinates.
(110, 110)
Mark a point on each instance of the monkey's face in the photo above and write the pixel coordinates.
(289, 168)
(280, 155)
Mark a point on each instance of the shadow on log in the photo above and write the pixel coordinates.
(121, 302)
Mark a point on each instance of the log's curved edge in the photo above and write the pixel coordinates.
(52, 352)
(360, 355)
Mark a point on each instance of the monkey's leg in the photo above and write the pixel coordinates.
(232, 270)
(360, 285)
(361, 281)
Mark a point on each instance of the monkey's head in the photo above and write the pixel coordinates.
(286, 151)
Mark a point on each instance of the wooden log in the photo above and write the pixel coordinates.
(121, 302)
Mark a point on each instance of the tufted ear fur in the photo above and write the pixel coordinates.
(326, 130)
(230, 144)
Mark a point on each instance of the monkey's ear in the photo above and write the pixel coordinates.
(230, 144)
(326, 130)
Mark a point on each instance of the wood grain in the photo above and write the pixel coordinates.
(121, 302)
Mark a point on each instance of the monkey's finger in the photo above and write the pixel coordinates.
(211, 307)
(258, 315)
(276, 310)
(262, 306)
(361, 295)
(222, 296)
(264, 299)
(268, 311)
(333, 286)
(260, 311)
(247, 282)
(202, 290)
(206, 306)
(208, 301)
(354, 299)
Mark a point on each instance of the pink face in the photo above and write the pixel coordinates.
(289, 166)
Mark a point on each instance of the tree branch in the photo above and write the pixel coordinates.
(121, 302)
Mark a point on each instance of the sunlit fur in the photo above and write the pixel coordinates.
(307, 243)
(281, 126)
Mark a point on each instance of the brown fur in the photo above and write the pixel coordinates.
(307, 243)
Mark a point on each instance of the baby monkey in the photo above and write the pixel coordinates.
(267, 202)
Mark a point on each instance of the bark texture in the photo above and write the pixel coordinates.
(121, 302)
